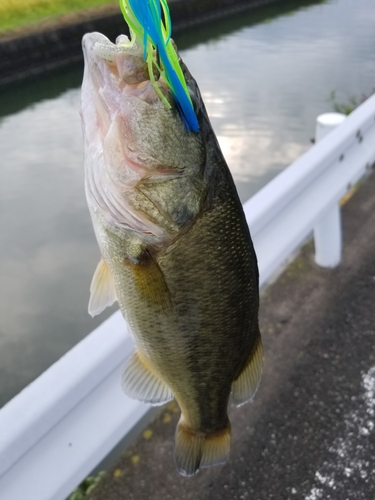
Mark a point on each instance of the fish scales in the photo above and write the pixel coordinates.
(176, 254)
(209, 291)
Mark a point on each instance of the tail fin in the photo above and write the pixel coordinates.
(195, 449)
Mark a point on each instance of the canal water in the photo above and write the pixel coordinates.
(264, 76)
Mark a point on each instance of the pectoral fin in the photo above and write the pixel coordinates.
(246, 384)
(150, 282)
(140, 382)
(102, 290)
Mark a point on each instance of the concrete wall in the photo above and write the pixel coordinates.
(33, 54)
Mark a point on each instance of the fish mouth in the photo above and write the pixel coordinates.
(121, 65)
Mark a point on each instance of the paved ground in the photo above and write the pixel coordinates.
(310, 433)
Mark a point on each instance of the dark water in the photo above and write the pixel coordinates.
(264, 76)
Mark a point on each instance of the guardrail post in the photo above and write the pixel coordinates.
(327, 231)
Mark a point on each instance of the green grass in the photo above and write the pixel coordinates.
(347, 107)
(16, 14)
(86, 487)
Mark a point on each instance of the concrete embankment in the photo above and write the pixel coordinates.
(55, 44)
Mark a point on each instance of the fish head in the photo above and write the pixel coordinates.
(143, 169)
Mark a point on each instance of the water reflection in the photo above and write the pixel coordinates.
(21, 94)
(47, 247)
(263, 85)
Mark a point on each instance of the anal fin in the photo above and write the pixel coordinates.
(140, 382)
(102, 289)
(246, 384)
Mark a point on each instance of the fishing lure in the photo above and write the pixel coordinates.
(144, 18)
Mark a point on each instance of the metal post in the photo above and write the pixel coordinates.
(327, 231)
(327, 122)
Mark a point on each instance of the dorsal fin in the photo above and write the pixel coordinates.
(102, 289)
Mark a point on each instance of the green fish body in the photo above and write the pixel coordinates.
(176, 250)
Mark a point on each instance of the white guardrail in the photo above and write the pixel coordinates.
(57, 430)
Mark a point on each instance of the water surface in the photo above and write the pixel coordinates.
(264, 77)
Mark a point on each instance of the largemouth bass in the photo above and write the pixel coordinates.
(176, 249)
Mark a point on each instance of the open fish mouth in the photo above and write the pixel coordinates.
(122, 66)
(130, 136)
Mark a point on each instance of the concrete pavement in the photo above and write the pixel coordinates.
(310, 433)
